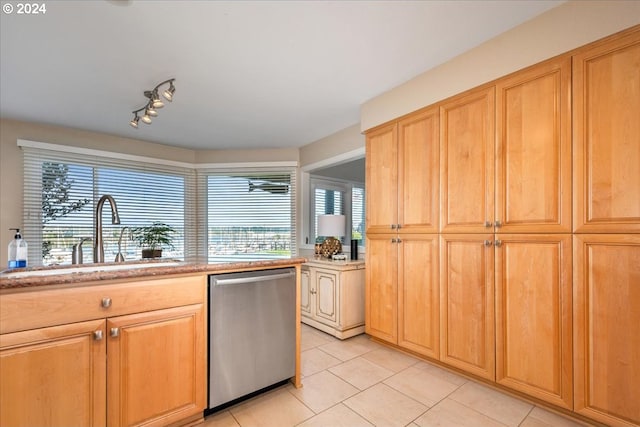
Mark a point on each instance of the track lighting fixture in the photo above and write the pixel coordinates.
(154, 103)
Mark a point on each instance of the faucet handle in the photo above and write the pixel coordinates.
(76, 255)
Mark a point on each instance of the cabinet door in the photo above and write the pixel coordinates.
(533, 316)
(418, 294)
(305, 291)
(607, 327)
(54, 376)
(418, 167)
(533, 149)
(467, 303)
(381, 291)
(326, 296)
(156, 366)
(606, 108)
(467, 162)
(381, 175)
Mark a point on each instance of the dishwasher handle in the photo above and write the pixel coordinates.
(251, 279)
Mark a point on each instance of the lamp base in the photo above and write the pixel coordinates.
(330, 246)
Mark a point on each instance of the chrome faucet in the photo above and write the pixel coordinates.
(98, 249)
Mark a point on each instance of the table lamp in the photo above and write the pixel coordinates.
(331, 226)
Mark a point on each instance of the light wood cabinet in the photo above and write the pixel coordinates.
(155, 366)
(419, 294)
(381, 297)
(533, 315)
(54, 376)
(467, 320)
(533, 150)
(402, 175)
(140, 360)
(606, 121)
(467, 124)
(606, 320)
(333, 296)
(527, 163)
(402, 305)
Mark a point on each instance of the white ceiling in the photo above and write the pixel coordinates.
(249, 74)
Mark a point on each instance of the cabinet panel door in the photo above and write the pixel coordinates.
(467, 303)
(418, 167)
(533, 150)
(326, 296)
(419, 294)
(305, 291)
(156, 367)
(381, 288)
(54, 376)
(606, 112)
(381, 175)
(533, 316)
(607, 327)
(467, 141)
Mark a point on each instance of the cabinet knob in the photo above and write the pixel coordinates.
(106, 302)
(498, 224)
(398, 226)
(115, 332)
(313, 291)
(487, 224)
(487, 243)
(97, 335)
(394, 226)
(498, 243)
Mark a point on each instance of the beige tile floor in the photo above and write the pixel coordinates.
(358, 382)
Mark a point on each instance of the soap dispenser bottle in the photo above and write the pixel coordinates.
(17, 251)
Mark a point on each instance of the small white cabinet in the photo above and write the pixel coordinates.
(332, 296)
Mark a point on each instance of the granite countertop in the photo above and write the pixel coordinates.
(46, 276)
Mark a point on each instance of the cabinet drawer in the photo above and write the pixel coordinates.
(40, 308)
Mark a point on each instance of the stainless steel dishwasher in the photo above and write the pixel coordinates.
(252, 332)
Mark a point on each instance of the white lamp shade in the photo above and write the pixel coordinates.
(331, 225)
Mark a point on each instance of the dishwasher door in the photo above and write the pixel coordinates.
(252, 332)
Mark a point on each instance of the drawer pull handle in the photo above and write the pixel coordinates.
(106, 302)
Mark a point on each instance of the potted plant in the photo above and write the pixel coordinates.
(152, 238)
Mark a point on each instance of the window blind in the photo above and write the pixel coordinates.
(61, 190)
(250, 213)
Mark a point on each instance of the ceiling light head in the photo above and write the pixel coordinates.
(155, 100)
(150, 111)
(146, 119)
(168, 93)
(134, 122)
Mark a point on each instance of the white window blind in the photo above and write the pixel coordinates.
(61, 190)
(250, 214)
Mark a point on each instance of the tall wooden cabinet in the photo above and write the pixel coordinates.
(528, 164)
(606, 114)
(402, 219)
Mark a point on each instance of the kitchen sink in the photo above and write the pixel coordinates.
(88, 268)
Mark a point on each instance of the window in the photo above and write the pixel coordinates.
(250, 215)
(336, 197)
(61, 190)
